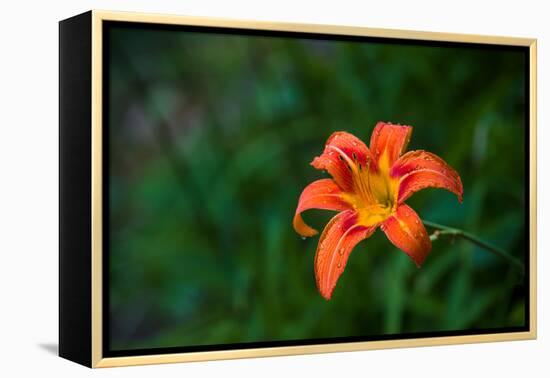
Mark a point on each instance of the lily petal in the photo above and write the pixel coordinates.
(321, 194)
(420, 169)
(337, 241)
(344, 154)
(406, 231)
(389, 141)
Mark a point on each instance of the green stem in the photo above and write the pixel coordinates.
(441, 230)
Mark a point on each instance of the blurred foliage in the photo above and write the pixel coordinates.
(211, 137)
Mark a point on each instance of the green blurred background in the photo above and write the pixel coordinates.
(211, 137)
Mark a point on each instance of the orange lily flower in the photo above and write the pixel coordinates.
(369, 188)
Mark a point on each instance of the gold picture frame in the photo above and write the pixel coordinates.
(94, 24)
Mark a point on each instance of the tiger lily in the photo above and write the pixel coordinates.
(369, 187)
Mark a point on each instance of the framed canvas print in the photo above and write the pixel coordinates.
(236, 189)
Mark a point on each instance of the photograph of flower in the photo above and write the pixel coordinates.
(243, 168)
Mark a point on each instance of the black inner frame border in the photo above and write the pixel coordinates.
(107, 26)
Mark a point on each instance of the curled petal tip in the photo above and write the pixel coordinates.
(302, 228)
(326, 296)
(320, 194)
(312, 233)
(325, 290)
(315, 163)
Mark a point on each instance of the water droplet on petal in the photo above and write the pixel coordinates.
(339, 265)
(341, 251)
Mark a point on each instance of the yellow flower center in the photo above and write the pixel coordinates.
(374, 194)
